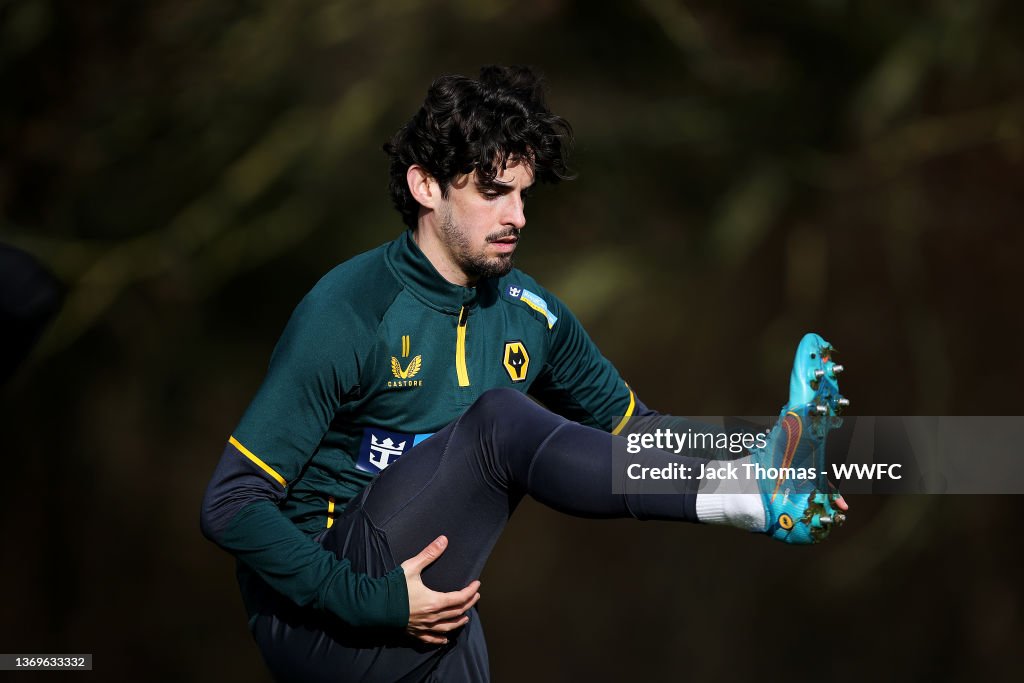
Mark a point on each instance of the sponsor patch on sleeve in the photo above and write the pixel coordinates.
(534, 301)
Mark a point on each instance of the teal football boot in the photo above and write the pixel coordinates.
(799, 506)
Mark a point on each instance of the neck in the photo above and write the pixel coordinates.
(440, 257)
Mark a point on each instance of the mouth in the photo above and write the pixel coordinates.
(506, 244)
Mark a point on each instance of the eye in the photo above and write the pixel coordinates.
(490, 194)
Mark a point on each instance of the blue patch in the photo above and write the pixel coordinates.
(381, 448)
(534, 301)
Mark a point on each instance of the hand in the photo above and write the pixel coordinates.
(433, 614)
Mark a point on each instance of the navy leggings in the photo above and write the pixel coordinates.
(463, 482)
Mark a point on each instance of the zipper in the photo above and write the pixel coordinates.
(460, 348)
(330, 511)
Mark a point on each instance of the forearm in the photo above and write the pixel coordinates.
(241, 515)
(294, 565)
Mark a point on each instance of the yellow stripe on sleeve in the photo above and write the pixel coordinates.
(629, 412)
(262, 465)
(539, 310)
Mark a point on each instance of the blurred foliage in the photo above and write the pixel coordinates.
(747, 172)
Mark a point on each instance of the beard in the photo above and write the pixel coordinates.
(475, 264)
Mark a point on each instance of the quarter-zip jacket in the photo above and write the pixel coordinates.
(382, 353)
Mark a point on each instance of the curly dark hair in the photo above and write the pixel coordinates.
(468, 125)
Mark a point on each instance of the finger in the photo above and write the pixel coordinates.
(427, 555)
(472, 601)
(456, 598)
(451, 625)
(459, 611)
(840, 503)
(433, 640)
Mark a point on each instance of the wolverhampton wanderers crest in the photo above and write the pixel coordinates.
(405, 371)
(516, 360)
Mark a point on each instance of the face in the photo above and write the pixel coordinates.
(480, 222)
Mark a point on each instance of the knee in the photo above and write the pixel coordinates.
(507, 413)
(494, 405)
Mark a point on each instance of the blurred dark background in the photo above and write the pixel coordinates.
(747, 172)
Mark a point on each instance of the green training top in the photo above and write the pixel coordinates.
(382, 353)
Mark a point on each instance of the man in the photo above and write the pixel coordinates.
(392, 437)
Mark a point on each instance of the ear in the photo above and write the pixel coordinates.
(423, 187)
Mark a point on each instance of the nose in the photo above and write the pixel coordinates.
(515, 211)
